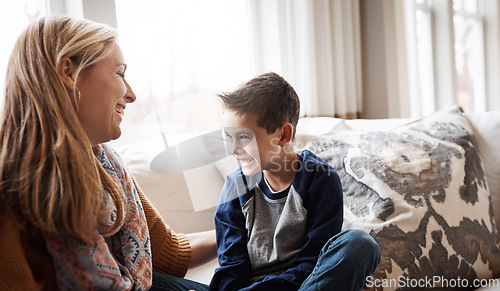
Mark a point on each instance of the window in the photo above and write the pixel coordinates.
(450, 54)
(423, 43)
(180, 54)
(14, 17)
(469, 54)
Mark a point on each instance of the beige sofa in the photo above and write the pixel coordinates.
(422, 187)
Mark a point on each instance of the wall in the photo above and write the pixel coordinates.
(98, 10)
(102, 11)
(375, 92)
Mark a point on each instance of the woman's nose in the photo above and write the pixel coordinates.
(129, 95)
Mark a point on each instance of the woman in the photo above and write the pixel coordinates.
(72, 216)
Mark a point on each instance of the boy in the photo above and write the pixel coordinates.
(280, 209)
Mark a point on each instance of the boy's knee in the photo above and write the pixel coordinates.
(365, 247)
(363, 242)
(357, 243)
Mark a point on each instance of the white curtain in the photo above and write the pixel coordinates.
(180, 54)
(315, 45)
(181, 51)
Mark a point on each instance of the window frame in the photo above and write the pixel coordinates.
(445, 75)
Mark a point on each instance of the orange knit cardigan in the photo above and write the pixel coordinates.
(25, 263)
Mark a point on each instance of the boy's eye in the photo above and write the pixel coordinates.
(244, 137)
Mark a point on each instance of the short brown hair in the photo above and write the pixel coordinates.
(268, 97)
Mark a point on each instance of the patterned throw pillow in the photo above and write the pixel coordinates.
(420, 191)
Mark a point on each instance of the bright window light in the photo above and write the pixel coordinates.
(14, 17)
(177, 52)
(469, 55)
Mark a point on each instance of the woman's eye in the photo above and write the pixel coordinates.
(121, 74)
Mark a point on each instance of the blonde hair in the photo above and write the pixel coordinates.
(49, 173)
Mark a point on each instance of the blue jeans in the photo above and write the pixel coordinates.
(344, 262)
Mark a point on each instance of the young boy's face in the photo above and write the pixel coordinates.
(250, 144)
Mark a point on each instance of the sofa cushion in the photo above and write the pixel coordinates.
(420, 190)
(486, 126)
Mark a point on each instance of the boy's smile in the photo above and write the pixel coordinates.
(239, 142)
(250, 144)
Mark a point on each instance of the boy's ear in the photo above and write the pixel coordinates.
(286, 133)
(66, 71)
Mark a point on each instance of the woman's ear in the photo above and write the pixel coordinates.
(66, 71)
(286, 133)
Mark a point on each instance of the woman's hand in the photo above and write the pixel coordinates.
(203, 247)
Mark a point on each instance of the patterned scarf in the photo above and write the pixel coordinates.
(119, 262)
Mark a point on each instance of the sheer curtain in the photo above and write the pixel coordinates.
(181, 53)
(315, 45)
